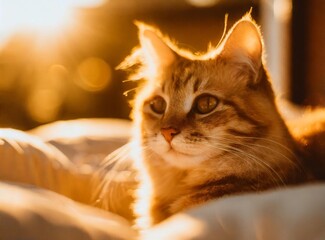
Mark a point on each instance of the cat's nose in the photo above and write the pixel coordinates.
(169, 133)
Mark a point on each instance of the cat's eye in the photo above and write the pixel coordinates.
(158, 105)
(205, 104)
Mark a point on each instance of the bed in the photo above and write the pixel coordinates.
(46, 185)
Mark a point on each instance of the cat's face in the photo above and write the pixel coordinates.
(200, 110)
(195, 109)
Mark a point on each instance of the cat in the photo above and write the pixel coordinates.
(207, 125)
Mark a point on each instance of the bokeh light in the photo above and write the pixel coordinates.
(282, 9)
(44, 104)
(94, 74)
(57, 77)
(47, 96)
(41, 16)
(9, 75)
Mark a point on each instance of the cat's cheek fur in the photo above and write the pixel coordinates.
(159, 145)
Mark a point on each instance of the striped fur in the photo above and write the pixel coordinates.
(242, 145)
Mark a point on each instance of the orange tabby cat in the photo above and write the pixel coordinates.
(207, 125)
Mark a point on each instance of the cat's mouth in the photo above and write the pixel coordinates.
(182, 158)
(174, 150)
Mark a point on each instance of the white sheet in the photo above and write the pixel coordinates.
(296, 213)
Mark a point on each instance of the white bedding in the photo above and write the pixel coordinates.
(31, 213)
(296, 213)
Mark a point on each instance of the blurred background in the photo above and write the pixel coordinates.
(58, 57)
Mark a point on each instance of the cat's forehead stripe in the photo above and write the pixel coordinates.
(163, 87)
(183, 76)
(176, 81)
(196, 85)
(187, 77)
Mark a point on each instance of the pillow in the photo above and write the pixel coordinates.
(32, 213)
(86, 142)
(27, 159)
(65, 156)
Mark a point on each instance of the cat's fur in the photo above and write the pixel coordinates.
(240, 146)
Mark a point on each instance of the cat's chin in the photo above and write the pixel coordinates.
(182, 160)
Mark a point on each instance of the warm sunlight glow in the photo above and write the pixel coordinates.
(177, 227)
(9, 75)
(282, 9)
(203, 3)
(41, 16)
(44, 104)
(94, 74)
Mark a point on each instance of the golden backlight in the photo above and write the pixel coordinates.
(41, 16)
(37, 36)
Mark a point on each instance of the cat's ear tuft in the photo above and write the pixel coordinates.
(156, 51)
(244, 43)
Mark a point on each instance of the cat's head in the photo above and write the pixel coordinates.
(196, 107)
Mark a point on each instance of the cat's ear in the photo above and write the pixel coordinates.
(244, 43)
(156, 51)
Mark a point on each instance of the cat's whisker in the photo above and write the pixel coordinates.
(292, 159)
(289, 151)
(225, 145)
(116, 156)
(126, 93)
(111, 167)
(128, 80)
(244, 158)
(275, 175)
(260, 138)
(252, 148)
(271, 141)
(243, 155)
